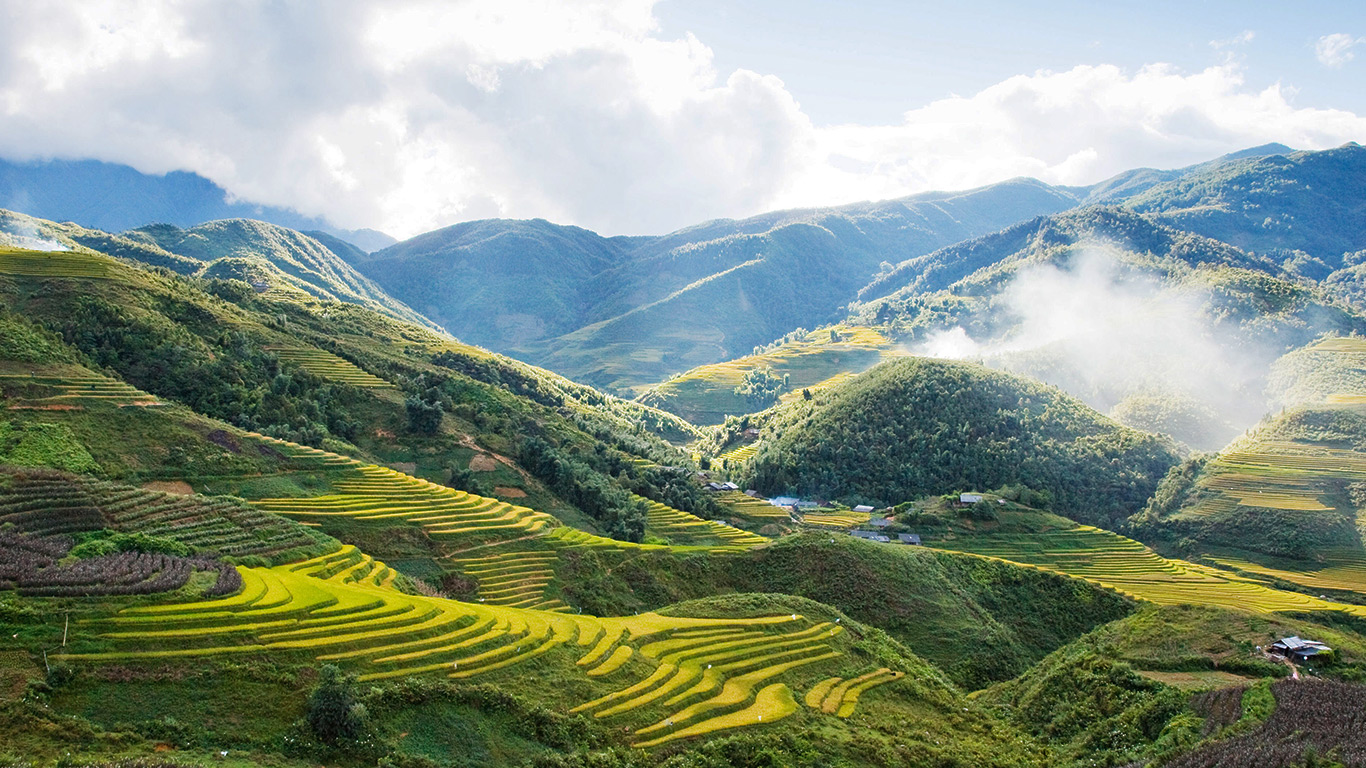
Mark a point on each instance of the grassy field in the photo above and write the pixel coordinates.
(1129, 567)
(706, 395)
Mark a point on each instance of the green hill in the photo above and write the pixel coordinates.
(626, 312)
(1302, 209)
(1283, 501)
(920, 426)
(1214, 318)
(288, 262)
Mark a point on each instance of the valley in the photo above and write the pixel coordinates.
(259, 508)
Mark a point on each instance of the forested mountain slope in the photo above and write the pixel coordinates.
(1303, 210)
(267, 256)
(921, 426)
(1165, 328)
(620, 312)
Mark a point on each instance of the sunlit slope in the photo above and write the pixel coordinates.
(706, 395)
(673, 677)
(1129, 567)
(1284, 499)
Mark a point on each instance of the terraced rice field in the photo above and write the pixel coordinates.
(518, 579)
(50, 503)
(326, 365)
(682, 528)
(1129, 567)
(305, 457)
(750, 508)
(739, 454)
(380, 494)
(709, 674)
(53, 263)
(1342, 570)
(713, 679)
(837, 520)
(1276, 475)
(837, 696)
(80, 390)
(706, 394)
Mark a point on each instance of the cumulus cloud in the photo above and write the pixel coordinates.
(1336, 49)
(409, 115)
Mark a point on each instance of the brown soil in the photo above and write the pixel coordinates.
(511, 493)
(482, 462)
(384, 433)
(222, 439)
(169, 486)
(406, 467)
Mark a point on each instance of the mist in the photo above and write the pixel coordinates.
(21, 232)
(1138, 349)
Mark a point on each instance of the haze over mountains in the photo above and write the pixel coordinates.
(623, 313)
(421, 511)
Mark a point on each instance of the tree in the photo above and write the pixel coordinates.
(424, 416)
(334, 713)
(761, 387)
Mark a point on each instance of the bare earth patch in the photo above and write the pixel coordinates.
(482, 462)
(406, 467)
(169, 486)
(511, 493)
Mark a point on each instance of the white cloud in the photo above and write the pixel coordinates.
(1072, 127)
(1336, 49)
(411, 115)
(1242, 38)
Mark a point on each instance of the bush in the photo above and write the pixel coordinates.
(334, 712)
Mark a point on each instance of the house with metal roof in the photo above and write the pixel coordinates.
(1296, 648)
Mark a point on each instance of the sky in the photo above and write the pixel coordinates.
(643, 116)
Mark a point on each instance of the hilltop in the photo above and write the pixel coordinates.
(919, 426)
(623, 312)
(265, 256)
(115, 197)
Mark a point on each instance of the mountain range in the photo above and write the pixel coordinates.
(259, 508)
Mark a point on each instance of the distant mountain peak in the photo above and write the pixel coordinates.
(115, 198)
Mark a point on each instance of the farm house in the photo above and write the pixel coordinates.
(1298, 649)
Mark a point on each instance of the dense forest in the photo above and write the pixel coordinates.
(918, 426)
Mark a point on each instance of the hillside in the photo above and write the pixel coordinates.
(920, 426)
(115, 197)
(1166, 328)
(332, 376)
(1283, 502)
(270, 257)
(1302, 209)
(624, 312)
(1175, 678)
